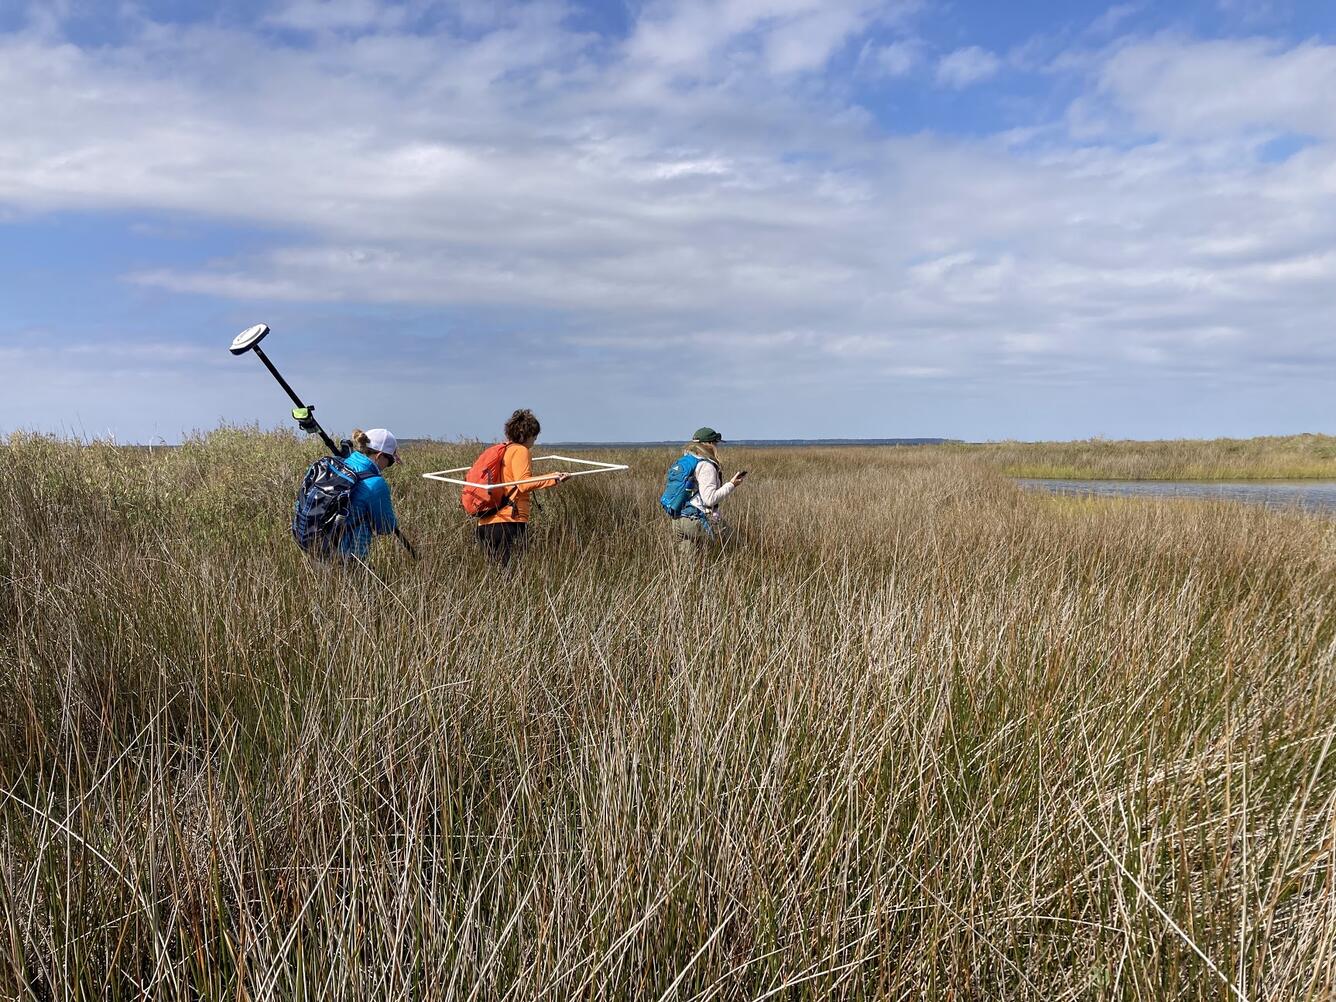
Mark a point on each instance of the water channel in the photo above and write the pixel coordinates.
(1307, 495)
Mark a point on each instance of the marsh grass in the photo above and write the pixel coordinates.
(920, 735)
(1282, 457)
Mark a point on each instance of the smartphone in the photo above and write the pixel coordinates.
(741, 474)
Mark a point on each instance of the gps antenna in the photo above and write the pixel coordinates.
(249, 340)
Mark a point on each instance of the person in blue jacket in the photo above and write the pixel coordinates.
(371, 512)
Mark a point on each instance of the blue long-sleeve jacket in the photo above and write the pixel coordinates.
(371, 512)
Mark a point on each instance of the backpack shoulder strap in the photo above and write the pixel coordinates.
(704, 459)
(509, 500)
(358, 476)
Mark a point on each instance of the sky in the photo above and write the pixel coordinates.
(781, 218)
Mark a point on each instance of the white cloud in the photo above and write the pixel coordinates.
(896, 59)
(1200, 89)
(918, 371)
(967, 66)
(1250, 12)
(807, 42)
(1029, 344)
(1114, 16)
(710, 37)
(695, 186)
(327, 15)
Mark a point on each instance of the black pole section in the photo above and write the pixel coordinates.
(407, 545)
(329, 442)
(275, 373)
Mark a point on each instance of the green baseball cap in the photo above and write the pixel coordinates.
(707, 435)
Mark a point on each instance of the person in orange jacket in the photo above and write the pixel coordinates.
(502, 535)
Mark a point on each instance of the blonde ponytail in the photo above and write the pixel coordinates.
(360, 441)
(704, 449)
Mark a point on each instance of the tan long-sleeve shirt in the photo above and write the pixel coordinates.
(709, 491)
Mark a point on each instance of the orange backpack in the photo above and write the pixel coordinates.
(482, 502)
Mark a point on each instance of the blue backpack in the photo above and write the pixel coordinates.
(681, 486)
(321, 512)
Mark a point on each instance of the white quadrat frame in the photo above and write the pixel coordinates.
(444, 475)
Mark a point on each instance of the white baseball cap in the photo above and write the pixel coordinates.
(382, 440)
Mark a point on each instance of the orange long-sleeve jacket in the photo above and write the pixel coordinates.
(517, 465)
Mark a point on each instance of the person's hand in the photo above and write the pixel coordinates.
(737, 477)
(561, 478)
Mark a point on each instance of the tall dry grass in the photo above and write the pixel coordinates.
(919, 735)
(1277, 457)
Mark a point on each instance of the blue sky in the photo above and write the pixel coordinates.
(783, 218)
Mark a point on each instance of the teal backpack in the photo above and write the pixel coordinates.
(681, 486)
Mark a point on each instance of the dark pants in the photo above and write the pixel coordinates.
(502, 540)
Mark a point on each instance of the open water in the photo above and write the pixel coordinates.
(1308, 495)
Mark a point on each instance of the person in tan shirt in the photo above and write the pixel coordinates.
(502, 535)
(700, 522)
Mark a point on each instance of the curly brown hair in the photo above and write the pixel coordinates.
(522, 426)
